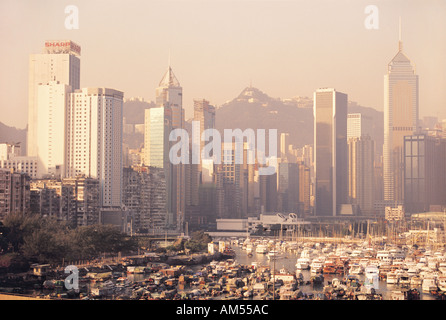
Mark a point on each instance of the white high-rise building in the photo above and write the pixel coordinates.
(358, 125)
(94, 140)
(400, 119)
(52, 102)
(58, 62)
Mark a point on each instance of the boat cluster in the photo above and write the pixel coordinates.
(408, 270)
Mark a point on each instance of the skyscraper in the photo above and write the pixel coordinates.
(361, 173)
(400, 119)
(330, 151)
(52, 101)
(170, 93)
(204, 114)
(358, 125)
(94, 140)
(159, 121)
(424, 172)
(58, 62)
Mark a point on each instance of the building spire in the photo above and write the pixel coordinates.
(400, 41)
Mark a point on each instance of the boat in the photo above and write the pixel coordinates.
(392, 277)
(356, 269)
(274, 254)
(262, 249)
(405, 294)
(317, 279)
(316, 266)
(371, 270)
(329, 267)
(384, 256)
(429, 284)
(135, 269)
(416, 281)
(303, 264)
(404, 279)
(442, 283)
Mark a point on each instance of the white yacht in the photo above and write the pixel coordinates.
(429, 283)
(262, 249)
(442, 267)
(392, 277)
(356, 269)
(303, 263)
(404, 279)
(274, 254)
(416, 281)
(384, 256)
(442, 283)
(317, 266)
(371, 270)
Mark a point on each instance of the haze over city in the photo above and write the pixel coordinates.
(217, 48)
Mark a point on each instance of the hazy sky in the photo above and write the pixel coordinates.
(286, 48)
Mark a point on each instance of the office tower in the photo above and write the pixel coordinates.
(58, 62)
(169, 94)
(50, 121)
(204, 118)
(304, 189)
(156, 137)
(14, 192)
(358, 125)
(425, 172)
(361, 173)
(284, 143)
(232, 182)
(288, 187)
(400, 119)
(268, 193)
(156, 153)
(94, 140)
(330, 151)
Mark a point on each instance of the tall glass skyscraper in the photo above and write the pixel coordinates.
(330, 151)
(400, 119)
(159, 122)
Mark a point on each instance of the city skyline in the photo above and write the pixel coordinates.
(218, 47)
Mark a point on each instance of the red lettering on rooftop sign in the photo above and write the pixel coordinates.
(64, 44)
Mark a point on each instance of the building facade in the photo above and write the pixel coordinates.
(330, 151)
(400, 119)
(59, 62)
(94, 140)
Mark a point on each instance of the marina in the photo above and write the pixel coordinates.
(256, 269)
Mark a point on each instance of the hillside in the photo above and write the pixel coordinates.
(254, 109)
(13, 135)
